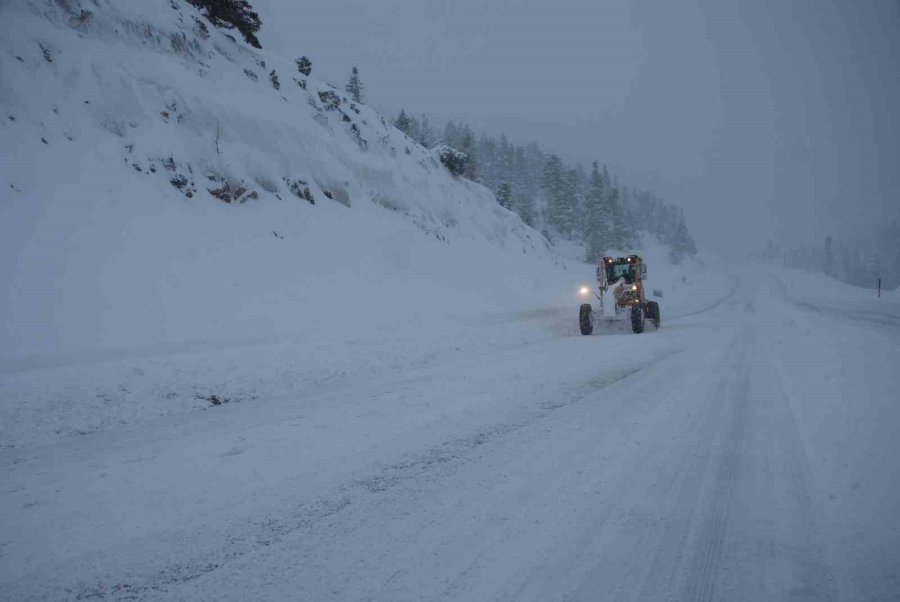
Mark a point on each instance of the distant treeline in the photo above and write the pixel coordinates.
(860, 262)
(588, 205)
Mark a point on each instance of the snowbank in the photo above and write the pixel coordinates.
(829, 291)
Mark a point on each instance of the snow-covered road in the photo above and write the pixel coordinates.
(745, 452)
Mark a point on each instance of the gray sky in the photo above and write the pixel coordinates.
(761, 118)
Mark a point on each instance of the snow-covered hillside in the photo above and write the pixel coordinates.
(122, 120)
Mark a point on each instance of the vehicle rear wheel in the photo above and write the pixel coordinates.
(586, 319)
(637, 319)
(653, 313)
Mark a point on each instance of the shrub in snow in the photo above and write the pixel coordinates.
(330, 100)
(46, 53)
(230, 192)
(357, 134)
(339, 194)
(300, 190)
(202, 29)
(304, 65)
(454, 160)
(179, 42)
(232, 14)
(79, 18)
(274, 79)
(181, 182)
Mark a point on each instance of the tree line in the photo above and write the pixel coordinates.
(856, 261)
(569, 201)
(559, 199)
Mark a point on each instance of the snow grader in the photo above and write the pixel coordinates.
(619, 295)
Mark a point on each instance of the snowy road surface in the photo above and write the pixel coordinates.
(746, 452)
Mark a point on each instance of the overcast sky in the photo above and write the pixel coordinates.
(761, 118)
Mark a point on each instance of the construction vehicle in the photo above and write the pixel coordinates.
(619, 294)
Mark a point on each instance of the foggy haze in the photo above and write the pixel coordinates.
(257, 344)
(760, 119)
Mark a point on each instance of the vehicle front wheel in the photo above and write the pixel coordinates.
(637, 319)
(586, 319)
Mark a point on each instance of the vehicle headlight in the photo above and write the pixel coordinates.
(584, 290)
(634, 287)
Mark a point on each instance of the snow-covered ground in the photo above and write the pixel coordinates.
(52, 396)
(744, 452)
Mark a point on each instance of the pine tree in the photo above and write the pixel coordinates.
(450, 134)
(427, 136)
(354, 86)
(551, 184)
(576, 185)
(682, 244)
(597, 221)
(524, 206)
(504, 195)
(619, 234)
(402, 122)
(621, 238)
(467, 146)
(232, 14)
(487, 161)
(415, 129)
(557, 185)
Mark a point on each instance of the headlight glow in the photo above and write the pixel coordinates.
(584, 290)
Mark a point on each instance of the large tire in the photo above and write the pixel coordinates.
(586, 319)
(653, 313)
(637, 319)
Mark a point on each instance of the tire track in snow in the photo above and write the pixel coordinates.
(872, 319)
(753, 442)
(815, 576)
(689, 547)
(869, 318)
(707, 550)
(735, 285)
(415, 467)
